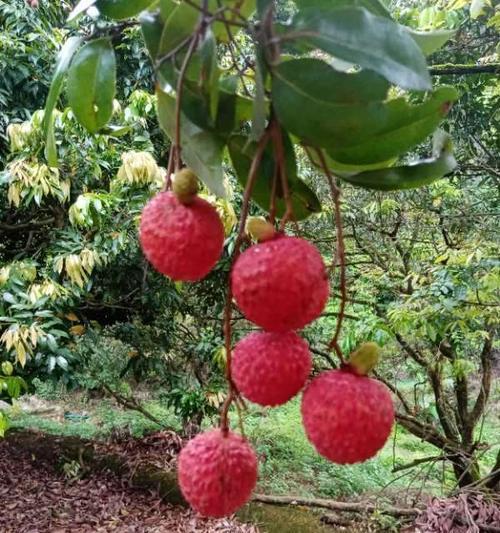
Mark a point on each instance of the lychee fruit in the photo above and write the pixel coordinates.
(280, 284)
(217, 472)
(182, 241)
(271, 368)
(347, 417)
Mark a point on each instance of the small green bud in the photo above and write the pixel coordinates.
(7, 368)
(185, 185)
(259, 229)
(365, 358)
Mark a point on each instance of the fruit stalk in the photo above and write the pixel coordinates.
(224, 422)
(339, 254)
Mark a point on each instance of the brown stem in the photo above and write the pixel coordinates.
(224, 422)
(339, 255)
(417, 462)
(170, 168)
(274, 189)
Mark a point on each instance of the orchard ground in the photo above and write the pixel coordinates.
(287, 462)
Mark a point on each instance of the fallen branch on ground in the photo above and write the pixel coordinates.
(351, 507)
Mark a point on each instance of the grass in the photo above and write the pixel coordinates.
(289, 464)
(101, 421)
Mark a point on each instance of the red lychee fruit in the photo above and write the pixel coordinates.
(281, 284)
(271, 368)
(181, 241)
(217, 472)
(347, 417)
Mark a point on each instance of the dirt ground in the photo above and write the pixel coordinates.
(36, 498)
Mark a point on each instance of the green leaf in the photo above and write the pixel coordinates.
(201, 149)
(348, 114)
(180, 24)
(63, 61)
(413, 175)
(357, 36)
(152, 28)
(343, 169)
(166, 7)
(374, 6)
(304, 200)
(431, 41)
(80, 8)
(92, 84)
(4, 424)
(122, 9)
(404, 127)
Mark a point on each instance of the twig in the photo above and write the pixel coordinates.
(351, 507)
(417, 462)
(339, 255)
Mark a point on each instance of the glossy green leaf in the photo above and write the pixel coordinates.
(92, 84)
(201, 149)
(166, 8)
(375, 43)
(122, 9)
(431, 41)
(342, 169)
(348, 114)
(180, 24)
(405, 126)
(152, 29)
(304, 200)
(63, 62)
(409, 176)
(374, 6)
(80, 8)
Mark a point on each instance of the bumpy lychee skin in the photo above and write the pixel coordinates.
(181, 241)
(271, 368)
(347, 417)
(217, 472)
(281, 284)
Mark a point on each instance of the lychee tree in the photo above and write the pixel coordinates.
(340, 83)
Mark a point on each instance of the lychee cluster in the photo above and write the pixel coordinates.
(281, 285)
